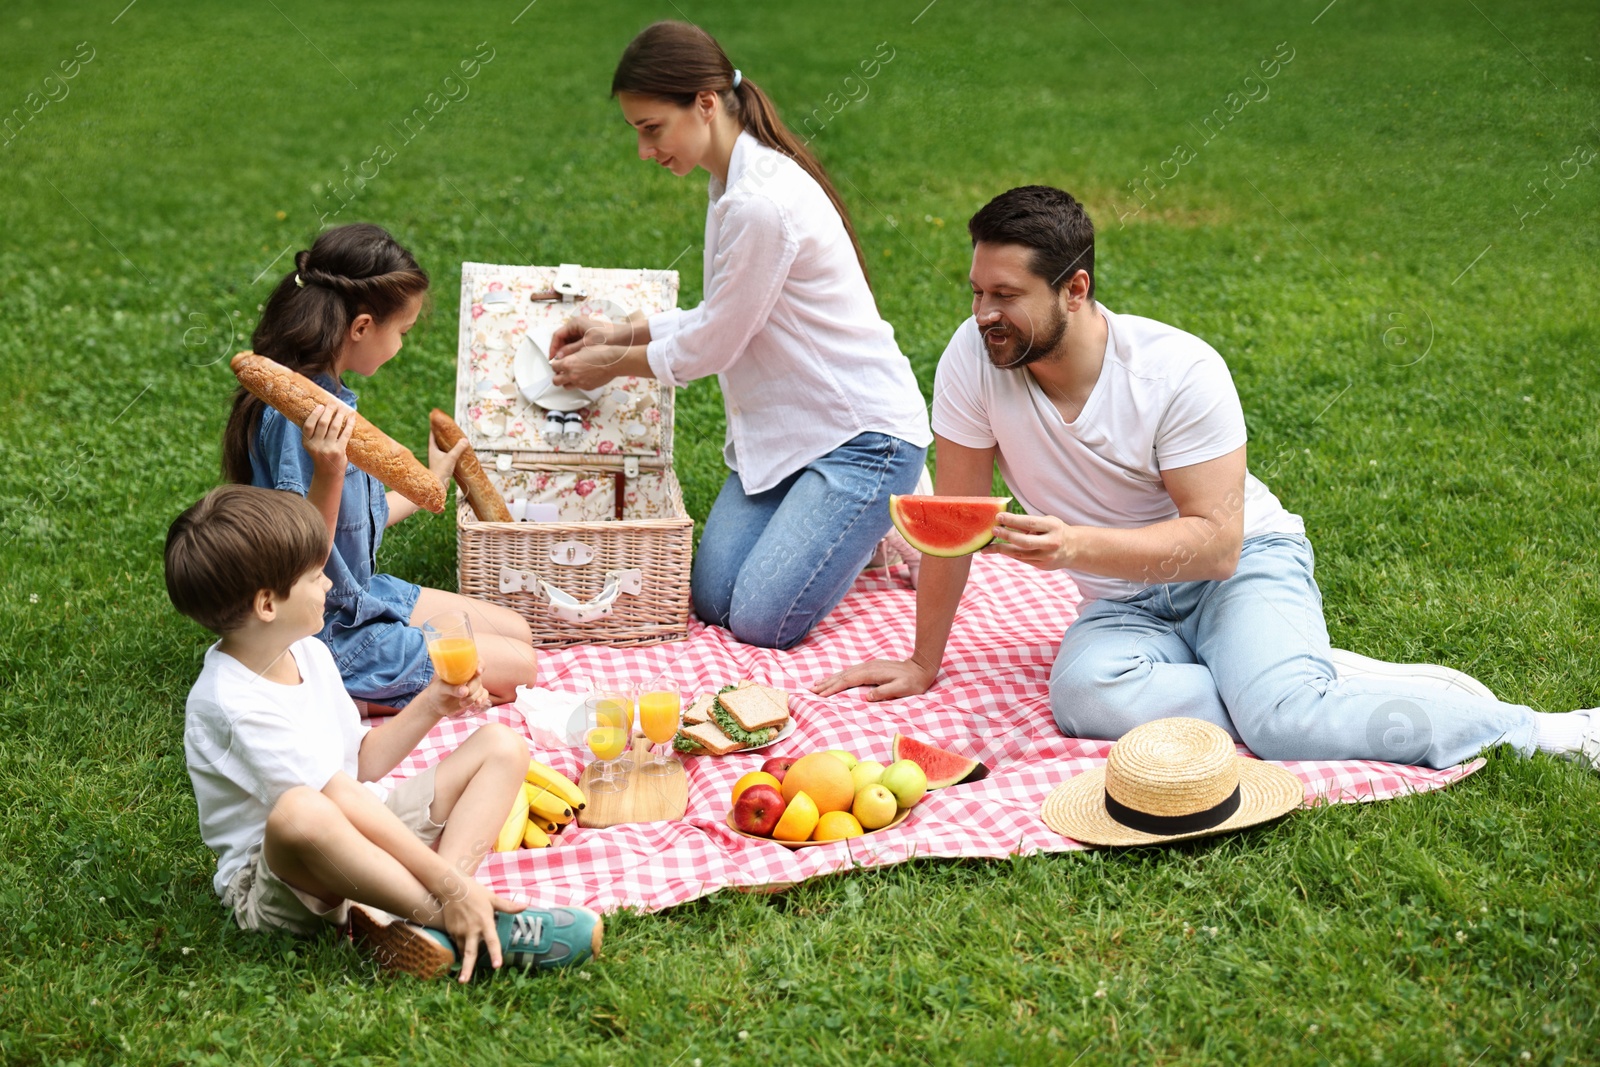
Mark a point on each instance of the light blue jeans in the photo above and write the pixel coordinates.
(771, 566)
(1250, 654)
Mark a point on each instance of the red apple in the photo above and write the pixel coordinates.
(779, 766)
(758, 810)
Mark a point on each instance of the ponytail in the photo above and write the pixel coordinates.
(347, 272)
(676, 61)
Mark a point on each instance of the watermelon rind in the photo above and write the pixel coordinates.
(899, 506)
(942, 767)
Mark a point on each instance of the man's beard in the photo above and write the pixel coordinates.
(1014, 352)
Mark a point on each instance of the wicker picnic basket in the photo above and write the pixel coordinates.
(609, 565)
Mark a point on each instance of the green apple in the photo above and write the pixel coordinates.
(867, 772)
(906, 781)
(847, 758)
(874, 807)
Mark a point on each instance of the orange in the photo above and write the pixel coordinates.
(799, 818)
(755, 778)
(836, 826)
(824, 778)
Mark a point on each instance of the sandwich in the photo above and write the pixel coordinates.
(740, 716)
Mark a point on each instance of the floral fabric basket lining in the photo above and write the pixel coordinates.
(605, 571)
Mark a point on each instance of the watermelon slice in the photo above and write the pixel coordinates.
(946, 525)
(942, 768)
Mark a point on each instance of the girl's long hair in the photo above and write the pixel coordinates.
(676, 61)
(348, 271)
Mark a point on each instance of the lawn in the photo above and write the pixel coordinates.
(1392, 240)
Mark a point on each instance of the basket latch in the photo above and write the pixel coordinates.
(564, 605)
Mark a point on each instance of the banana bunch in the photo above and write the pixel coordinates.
(547, 801)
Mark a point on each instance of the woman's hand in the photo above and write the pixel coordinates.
(589, 366)
(442, 463)
(1042, 541)
(326, 436)
(582, 330)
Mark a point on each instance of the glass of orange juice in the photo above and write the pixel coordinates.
(608, 730)
(451, 647)
(659, 706)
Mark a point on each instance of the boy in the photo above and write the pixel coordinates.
(284, 772)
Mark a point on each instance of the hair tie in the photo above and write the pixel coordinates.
(737, 77)
(298, 283)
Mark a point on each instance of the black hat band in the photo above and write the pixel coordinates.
(1165, 825)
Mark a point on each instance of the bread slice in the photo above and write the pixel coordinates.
(754, 708)
(699, 710)
(710, 738)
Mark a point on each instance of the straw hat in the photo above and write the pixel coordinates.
(1169, 780)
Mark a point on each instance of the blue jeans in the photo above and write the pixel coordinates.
(1250, 654)
(772, 565)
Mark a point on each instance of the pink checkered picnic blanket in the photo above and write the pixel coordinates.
(990, 703)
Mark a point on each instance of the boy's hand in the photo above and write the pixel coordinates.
(450, 701)
(468, 915)
(442, 463)
(326, 436)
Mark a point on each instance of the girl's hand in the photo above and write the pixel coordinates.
(326, 436)
(588, 367)
(579, 331)
(442, 463)
(453, 701)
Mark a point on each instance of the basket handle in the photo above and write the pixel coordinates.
(564, 605)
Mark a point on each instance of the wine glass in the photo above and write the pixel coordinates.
(659, 707)
(451, 647)
(608, 735)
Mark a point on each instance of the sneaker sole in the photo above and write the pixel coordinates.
(399, 946)
(1349, 664)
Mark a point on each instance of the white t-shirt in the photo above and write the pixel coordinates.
(788, 326)
(1164, 399)
(248, 741)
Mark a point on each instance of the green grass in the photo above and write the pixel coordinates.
(1452, 499)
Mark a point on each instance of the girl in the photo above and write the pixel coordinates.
(345, 307)
(824, 416)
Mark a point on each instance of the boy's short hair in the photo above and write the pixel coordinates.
(236, 541)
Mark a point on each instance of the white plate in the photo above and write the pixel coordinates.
(536, 381)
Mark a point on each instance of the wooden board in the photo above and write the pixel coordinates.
(648, 797)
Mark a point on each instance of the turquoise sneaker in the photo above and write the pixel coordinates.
(535, 939)
(398, 945)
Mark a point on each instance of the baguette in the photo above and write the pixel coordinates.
(372, 450)
(486, 502)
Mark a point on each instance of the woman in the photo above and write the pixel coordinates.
(824, 416)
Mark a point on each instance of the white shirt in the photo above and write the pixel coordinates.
(1164, 399)
(248, 741)
(788, 326)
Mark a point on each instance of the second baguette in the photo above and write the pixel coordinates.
(487, 503)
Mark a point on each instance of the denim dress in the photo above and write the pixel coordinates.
(367, 621)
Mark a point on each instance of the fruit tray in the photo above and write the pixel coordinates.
(900, 817)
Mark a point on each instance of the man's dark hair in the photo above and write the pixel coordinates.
(1047, 220)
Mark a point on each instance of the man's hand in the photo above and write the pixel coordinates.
(891, 679)
(468, 915)
(450, 701)
(326, 436)
(441, 463)
(1042, 541)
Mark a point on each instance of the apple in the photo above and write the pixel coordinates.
(867, 772)
(779, 766)
(847, 758)
(758, 810)
(906, 781)
(874, 808)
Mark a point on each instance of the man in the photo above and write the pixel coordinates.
(1124, 441)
